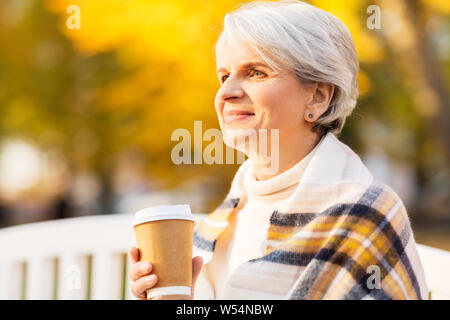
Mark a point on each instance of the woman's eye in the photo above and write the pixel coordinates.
(223, 78)
(256, 73)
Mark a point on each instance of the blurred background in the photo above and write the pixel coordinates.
(89, 98)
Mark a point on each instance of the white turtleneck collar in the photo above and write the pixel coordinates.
(284, 180)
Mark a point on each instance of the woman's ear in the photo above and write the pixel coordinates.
(322, 93)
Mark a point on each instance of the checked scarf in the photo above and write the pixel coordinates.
(341, 235)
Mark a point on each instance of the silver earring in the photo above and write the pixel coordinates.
(310, 115)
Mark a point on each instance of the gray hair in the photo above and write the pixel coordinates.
(311, 42)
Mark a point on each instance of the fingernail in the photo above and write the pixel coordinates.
(144, 267)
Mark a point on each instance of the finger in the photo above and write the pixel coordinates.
(156, 298)
(139, 295)
(197, 263)
(139, 269)
(140, 286)
(134, 254)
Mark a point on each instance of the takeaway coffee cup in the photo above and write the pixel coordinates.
(164, 236)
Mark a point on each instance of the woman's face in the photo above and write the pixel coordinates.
(254, 96)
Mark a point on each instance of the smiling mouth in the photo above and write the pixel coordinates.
(237, 115)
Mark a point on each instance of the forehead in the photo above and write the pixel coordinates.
(232, 53)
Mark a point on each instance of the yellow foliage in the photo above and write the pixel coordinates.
(442, 6)
(363, 83)
(353, 15)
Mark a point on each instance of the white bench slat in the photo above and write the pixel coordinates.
(73, 273)
(436, 265)
(40, 278)
(128, 293)
(107, 272)
(11, 280)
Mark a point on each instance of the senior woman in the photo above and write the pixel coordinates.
(319, 226)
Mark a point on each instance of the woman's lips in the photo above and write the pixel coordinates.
(233, 118)
(237, 115)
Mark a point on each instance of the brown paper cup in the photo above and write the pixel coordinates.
(164, 236)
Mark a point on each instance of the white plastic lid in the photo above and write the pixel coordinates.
(179, 211)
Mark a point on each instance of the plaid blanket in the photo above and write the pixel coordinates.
(341, 235)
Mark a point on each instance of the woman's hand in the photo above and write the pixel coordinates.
(142, 279)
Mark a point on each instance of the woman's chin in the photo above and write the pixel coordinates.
(239, 137)
(240, 126)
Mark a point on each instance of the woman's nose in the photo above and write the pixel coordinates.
(231, 89)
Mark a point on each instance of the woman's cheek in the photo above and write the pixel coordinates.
(269, 111)
(218, 109)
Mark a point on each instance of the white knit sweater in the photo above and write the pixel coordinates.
(245, 237)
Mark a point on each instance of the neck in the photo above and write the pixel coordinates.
(291, 151)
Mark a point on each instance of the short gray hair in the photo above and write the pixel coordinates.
(311, 42)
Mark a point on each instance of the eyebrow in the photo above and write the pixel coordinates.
(247, 65)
